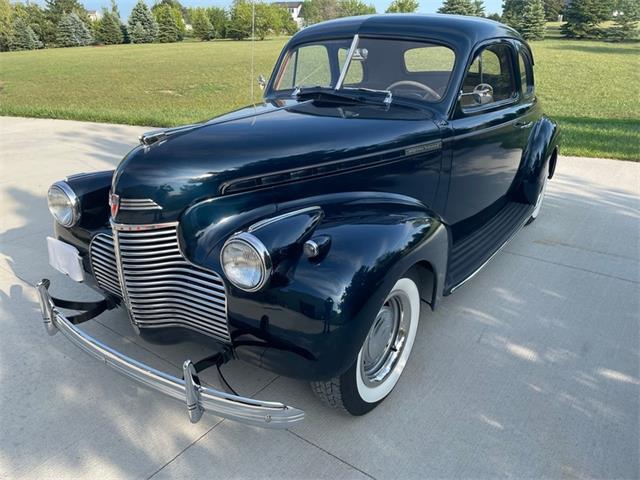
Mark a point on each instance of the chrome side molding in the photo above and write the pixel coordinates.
(198, 398)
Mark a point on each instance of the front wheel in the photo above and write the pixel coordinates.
(382, 357)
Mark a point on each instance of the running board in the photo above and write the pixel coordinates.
(472, 253)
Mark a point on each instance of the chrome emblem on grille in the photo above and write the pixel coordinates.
(138, 204)
(114, 203)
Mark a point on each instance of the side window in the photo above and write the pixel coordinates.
(307, 66)
(490, 78)
(526, 72)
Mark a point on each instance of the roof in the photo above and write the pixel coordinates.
(457, 30)
(288, 4)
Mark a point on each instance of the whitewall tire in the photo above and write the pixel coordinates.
(382, 356)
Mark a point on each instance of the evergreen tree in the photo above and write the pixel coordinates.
(403, 6)
(35, 17)
(168, 29)
(24, 38)
(533, 22)
(143, 16)
(627, 16)
(478, 6)
(219, 19)
(553, 9)
(583, 17)
(495, 17)
(352, 8)
(458, 7)
(512, 12)
(72, 32)
(108, 30)
(202, 28)
(138, 34)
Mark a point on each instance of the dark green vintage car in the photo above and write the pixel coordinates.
(392, 158)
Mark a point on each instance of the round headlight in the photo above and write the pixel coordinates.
(63, 204)
(246, 262)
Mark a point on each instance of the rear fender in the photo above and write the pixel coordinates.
(541, 145)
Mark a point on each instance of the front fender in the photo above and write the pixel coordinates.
(543, 141)
(311, 322)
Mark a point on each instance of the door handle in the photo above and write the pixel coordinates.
(523, 124)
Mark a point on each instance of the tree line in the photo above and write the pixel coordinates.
(66, 23)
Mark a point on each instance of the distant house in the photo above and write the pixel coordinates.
(294, 9)
(94, 15)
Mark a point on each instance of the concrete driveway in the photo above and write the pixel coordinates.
(531, 370)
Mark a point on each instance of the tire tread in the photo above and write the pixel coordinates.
(330, 393)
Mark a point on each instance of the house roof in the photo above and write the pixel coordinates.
(288, 4)
(459, 31)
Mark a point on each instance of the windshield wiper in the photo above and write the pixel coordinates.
(355, 95)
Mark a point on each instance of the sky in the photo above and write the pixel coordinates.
(426, 6)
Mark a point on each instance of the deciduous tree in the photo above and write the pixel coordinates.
(352, 8)
(315, 11)
(403, 6)
(219, 20)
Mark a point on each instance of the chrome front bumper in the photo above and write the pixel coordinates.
(198, 398)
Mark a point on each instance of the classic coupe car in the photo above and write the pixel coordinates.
(392, 158)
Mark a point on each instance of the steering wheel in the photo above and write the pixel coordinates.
(429, 92)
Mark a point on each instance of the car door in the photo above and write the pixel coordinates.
(488, 129)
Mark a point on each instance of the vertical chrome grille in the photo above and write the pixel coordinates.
(162, 289)
(103, 263)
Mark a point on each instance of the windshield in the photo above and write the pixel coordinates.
(408, 69)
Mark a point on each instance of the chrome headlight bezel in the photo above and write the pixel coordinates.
(247, 240)
(73, 203)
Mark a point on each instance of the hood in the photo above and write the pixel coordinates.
(196, 164)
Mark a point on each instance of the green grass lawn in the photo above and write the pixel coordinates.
(590, 87)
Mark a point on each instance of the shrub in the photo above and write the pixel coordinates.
(72, 32)
(141, 15)
(24, 38)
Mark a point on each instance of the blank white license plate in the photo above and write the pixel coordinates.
(65, 258)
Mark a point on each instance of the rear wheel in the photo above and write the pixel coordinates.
(539, 201)
(382, 357)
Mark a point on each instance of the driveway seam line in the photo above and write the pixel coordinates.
(184, 449)
(572, 267)
(330, 454)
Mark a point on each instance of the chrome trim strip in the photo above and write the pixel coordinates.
(402, 150)
(475, 272)
(347, 61)
(138, 204)
(269, 221)
(197, 397)
(124, 227)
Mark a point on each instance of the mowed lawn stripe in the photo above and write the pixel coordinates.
(588, 86)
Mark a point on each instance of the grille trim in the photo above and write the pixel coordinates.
(161, 287)
(103, 263)
(138, 204)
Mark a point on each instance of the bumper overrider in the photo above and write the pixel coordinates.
(198, 398)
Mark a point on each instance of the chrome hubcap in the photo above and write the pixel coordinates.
(386, 340)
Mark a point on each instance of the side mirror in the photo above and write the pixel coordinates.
(262, 82)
